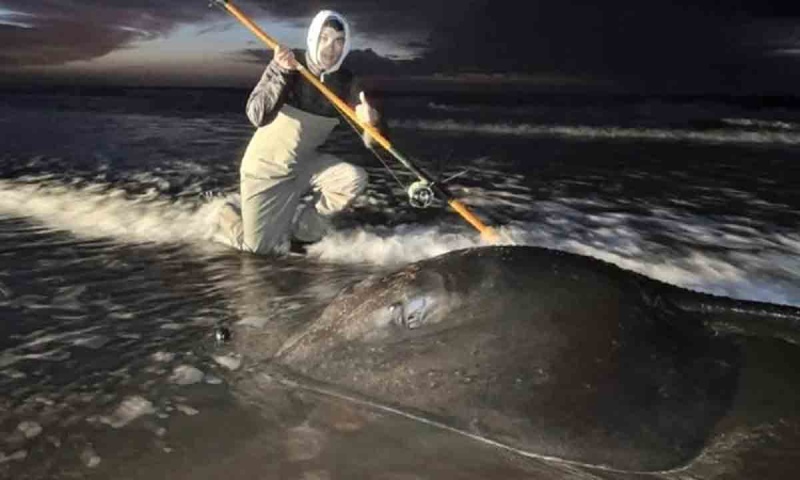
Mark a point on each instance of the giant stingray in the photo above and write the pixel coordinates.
(546, 353)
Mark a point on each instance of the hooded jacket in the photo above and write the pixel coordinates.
(279, 86)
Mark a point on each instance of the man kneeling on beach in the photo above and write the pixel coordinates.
(282, 163)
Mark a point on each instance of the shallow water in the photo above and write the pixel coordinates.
(110, 289)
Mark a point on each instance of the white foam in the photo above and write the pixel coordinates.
(29, 429)
(97, 211)
(93, 342)
(749, 275)
(171, 326)
(186, 375)
(129, 410)
(767, 271)
(31, 301)
(187, 410)
(7, 359)
(90, 458)
(760, 123)
(5, 291)
(19, 455)
(14, 374)
(501, 109)
(163, 357)
(611, 132)
(381, 246)
(55, 343)
(231, 362)
(56, 355)
(257, 321)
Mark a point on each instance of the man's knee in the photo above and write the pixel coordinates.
(342, 179)
(359, 179)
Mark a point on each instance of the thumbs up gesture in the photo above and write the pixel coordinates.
(364, 112)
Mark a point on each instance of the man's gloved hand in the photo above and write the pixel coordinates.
(364, 112)
(284, 57)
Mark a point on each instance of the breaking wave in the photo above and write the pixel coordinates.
(720, 136)
(101, 211)
(728, 256)
(758, 123)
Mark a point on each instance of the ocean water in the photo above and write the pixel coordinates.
(111, 289)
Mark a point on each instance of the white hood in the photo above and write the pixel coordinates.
(313, 38)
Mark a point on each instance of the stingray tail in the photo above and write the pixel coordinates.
(740, 316)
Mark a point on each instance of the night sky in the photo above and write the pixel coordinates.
(675, 46)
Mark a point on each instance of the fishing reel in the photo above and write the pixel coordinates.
(420, 194)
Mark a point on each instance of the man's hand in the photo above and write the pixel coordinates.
(364, 112)
(284, 57)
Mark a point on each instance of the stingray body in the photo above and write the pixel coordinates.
(547, 353)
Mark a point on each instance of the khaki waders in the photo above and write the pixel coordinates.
(281, 164)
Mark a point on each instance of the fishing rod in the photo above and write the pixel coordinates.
(426, 183)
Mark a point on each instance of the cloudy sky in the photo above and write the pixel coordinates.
(745, 46)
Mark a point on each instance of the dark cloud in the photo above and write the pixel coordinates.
(26, 46)
(380, 17)
(59, 31)
(659, 44)
(220, 27)
(254, 55)
(665, 45)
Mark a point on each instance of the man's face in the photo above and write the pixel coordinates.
(330, 47)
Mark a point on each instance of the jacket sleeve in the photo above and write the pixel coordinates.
(268, 95)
